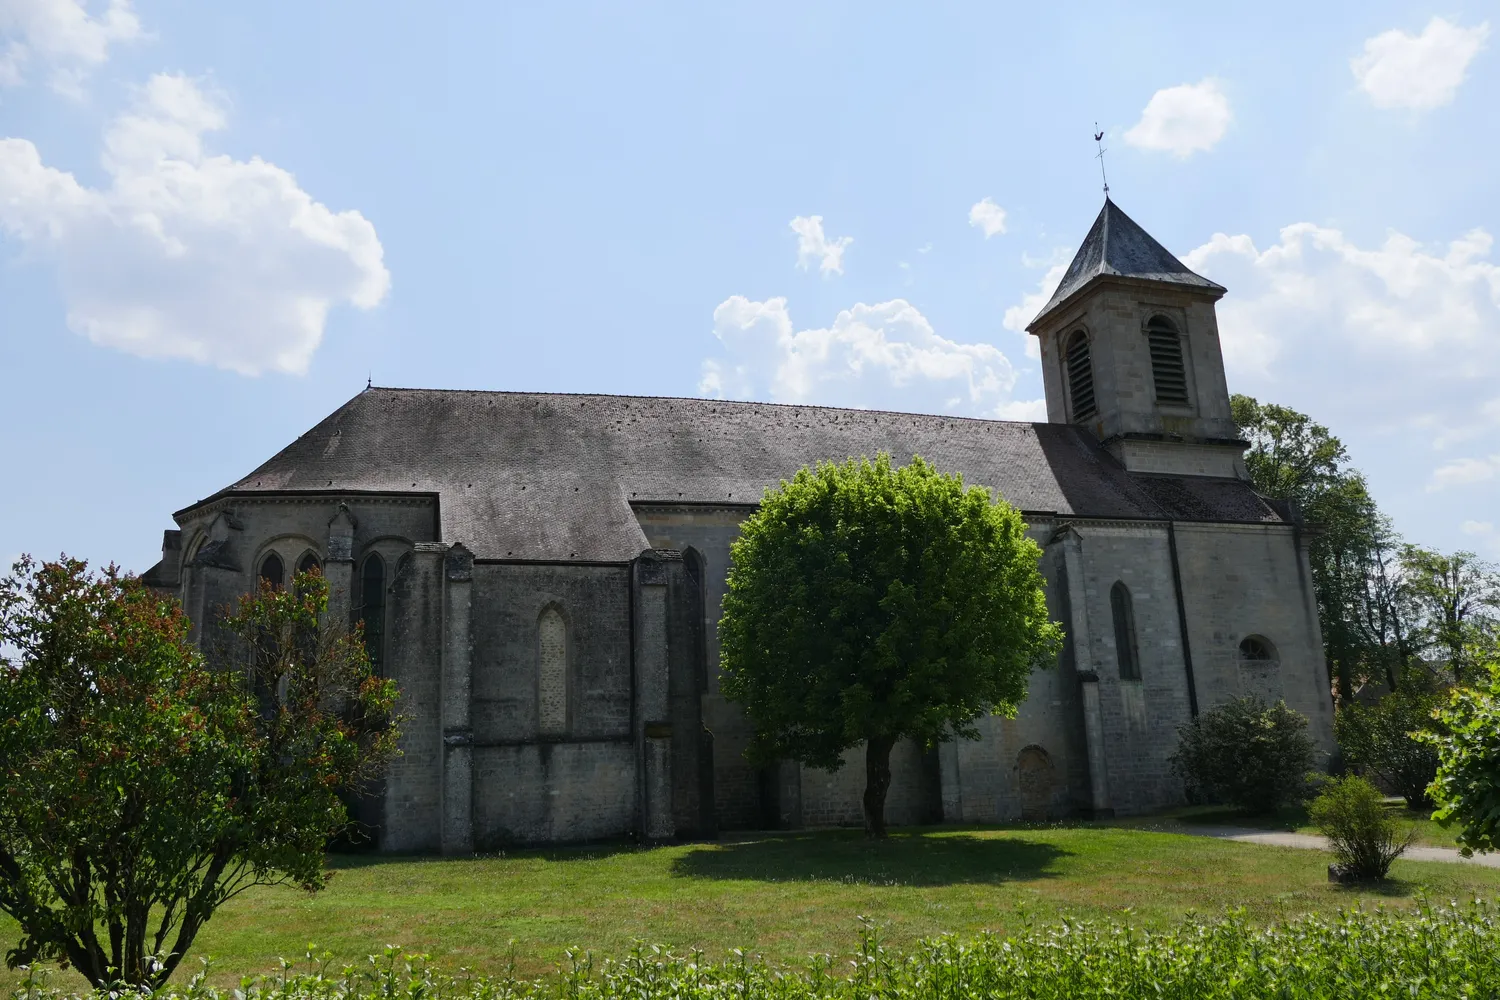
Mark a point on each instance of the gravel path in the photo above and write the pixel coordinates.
(1312, 842)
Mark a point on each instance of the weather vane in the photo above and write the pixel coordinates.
(1099, 138)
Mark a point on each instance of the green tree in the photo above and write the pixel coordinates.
(1382, 739)
(1467, 787)
(870, 604)
(1351, 550)
(1456, 601)
(140, 790)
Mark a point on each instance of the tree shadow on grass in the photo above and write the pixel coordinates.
(915, 859)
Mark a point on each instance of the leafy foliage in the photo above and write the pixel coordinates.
(869, 604)
(1380, 739)
(1364, 836)
(1467, 786)
(1437, 953)
(140, 790)
(1245, 753)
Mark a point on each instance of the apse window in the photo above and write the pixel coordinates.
(1080, 370)
(1257, 651)
(552, 673)
(1168, 369)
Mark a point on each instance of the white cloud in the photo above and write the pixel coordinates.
(188, 254)
(1399, 70)
(1385, 342)
(1019, 315)
(881, 355)
(1464, 472)
(1182, 120)
(812, 245)
(988, 216)
(61, 35)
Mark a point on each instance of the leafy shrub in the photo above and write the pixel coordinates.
(1245, 753)
(1433, 952)
(1365, 837)
(1377, 740)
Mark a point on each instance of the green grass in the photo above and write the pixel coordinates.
(1292, 819)
(785, 896)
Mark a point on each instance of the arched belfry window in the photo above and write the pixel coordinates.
(552, 673)
(1168, 370)
(1126, 651)
(273, 571)
(371, 609)
(1080, 372)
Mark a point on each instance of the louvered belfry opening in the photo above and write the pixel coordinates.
(1167, 368)
(1080, 376)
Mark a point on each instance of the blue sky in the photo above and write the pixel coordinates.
(217, 219)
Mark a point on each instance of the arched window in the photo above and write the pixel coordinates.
(1257, 650)
(1125, 648)
(371, 608)
(1167, 367)
(1080, 370)
(309, 563)
(552, 673)
(272, 571)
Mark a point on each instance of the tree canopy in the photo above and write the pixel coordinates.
(139, 789)
(870, 604)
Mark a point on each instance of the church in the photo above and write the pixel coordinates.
(542, 574)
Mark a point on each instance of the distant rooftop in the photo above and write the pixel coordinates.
(1117, 246)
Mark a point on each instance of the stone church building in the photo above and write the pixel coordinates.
(542, 574)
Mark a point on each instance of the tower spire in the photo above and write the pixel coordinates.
(1099, 140)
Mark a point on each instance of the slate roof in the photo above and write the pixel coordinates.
(1117, 246)
(552, 476)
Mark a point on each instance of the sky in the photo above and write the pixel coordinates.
(217, 221)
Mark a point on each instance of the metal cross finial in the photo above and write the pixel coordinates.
(1099, 138)
(370, 377)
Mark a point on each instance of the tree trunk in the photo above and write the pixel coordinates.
(877, 783)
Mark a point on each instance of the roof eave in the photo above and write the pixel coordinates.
(1213, 291)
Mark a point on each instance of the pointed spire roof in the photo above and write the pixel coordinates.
(1117, 246)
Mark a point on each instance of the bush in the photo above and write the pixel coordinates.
(1245, 753)
(1377, 740)
(1433, 952)
(1365, 837)
(1467, 787)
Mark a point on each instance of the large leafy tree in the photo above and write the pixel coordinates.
(139, 789)
(1467, 787)
(870, 604)
(1455, 603)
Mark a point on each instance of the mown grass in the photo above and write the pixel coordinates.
(785, 897)
(1292, 819)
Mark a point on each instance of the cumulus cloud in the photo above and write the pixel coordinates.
(812, 245)
(1464, 472)
(1421, 72)
(1395, 341)
(883, 355)
(1183, 120)
(62, 37)
(988, 216)
(189, 254)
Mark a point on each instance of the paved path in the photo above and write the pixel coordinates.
(1308, 841)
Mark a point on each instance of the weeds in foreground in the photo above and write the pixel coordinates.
(1434, 951)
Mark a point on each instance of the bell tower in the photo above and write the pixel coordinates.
(1130, 350)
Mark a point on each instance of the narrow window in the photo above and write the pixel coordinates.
(1256, 649)
(1125, 648)
(272, 572)
(1080, 376)
(371, 609)
(1167, 368)
(552, 674)
(309, 563)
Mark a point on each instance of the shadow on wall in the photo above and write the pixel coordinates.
(914, 858)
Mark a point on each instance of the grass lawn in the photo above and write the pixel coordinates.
(1292, 819)
(782, 896)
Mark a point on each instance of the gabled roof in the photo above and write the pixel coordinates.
(556, 477)
(1117, 246)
